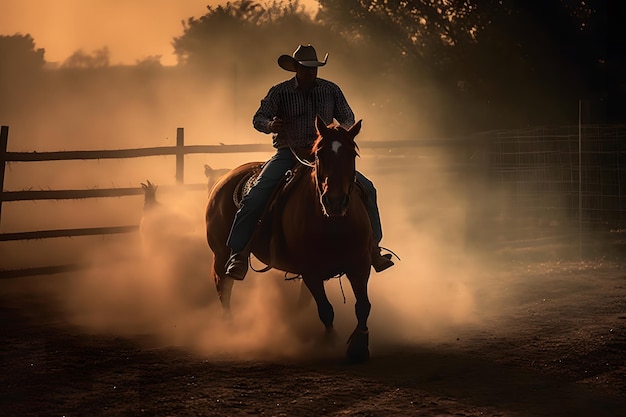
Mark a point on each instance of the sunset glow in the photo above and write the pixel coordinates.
(132, 30)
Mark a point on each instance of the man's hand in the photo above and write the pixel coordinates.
(276, 125)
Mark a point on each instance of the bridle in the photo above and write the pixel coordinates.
(323, 129)
(319, 184)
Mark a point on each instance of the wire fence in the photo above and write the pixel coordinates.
(545, 182)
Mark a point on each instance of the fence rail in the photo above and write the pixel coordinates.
(179, 151)
(132, 153)
(43, 270)
(81, 194)
(547, 178)
(47, 234)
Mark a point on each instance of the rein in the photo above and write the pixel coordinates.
(302, 161)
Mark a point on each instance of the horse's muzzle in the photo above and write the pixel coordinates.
(335, 206)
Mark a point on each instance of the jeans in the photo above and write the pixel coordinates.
(257, 198)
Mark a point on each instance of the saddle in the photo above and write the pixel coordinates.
(284, 185)
(270, 218)
(245, 184)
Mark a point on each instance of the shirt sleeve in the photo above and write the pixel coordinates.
(266, 112)
(343, 112)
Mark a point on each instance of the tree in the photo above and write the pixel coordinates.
(82, 60)
(500, 62)
(485, 63)
(19, 56)
(149, 63)
(242, 27)
(239, 37)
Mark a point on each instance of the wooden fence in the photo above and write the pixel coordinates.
(180, 150)
(575, 172)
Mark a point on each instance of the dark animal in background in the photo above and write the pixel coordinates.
(213, 175)
(149, 195)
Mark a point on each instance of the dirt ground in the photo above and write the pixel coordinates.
(556, 348)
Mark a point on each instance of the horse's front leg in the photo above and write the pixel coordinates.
(324, 308)
(358, 343)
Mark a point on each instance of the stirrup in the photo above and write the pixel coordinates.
(382, 262)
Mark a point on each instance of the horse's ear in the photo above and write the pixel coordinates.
(355, 129)
(149, 185)
(320, 124)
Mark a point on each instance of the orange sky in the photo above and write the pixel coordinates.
(131, 29)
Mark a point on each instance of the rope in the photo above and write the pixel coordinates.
(265, 269)
(302, 161)
(288, 278)
(341, 286)
(390, 251)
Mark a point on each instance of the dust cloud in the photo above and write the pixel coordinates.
(157, 286)
(156, 283)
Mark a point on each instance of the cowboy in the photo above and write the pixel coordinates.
(288, 112)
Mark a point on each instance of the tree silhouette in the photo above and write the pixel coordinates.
(492, 63)
(19, 56)
(501, 62)
(82, 60)
(237, 29)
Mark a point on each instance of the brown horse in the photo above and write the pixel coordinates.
(322, 225)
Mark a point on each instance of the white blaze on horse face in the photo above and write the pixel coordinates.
(335, 146)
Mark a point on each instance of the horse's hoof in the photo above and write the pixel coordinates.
(358, 347)
(330, 337)
(358, 356)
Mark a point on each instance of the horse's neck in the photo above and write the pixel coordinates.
(304, 198)
(312, 196)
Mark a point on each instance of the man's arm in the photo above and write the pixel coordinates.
(343, 113)
(266, 112)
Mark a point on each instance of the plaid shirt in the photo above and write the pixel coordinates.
(298, 109)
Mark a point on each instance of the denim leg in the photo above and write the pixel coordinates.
(371, 206)
(257, 198)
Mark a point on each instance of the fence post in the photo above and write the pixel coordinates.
(180, 156)
(580, 179)
(4, 140)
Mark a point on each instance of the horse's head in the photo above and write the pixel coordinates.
(335, 166)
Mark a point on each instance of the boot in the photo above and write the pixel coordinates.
(237, 265)
(381, 262)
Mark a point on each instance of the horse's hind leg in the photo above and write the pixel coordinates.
(224, 287)
(324, 308)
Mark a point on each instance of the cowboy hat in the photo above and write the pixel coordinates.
(303, 55)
